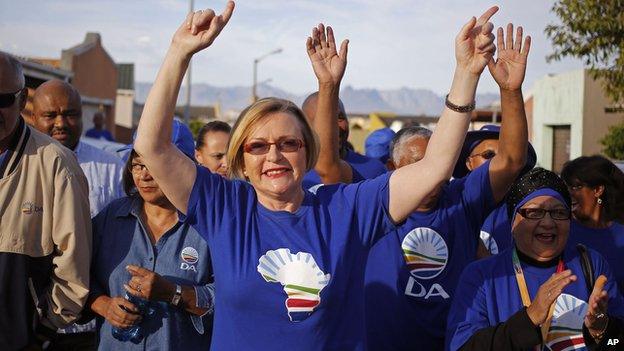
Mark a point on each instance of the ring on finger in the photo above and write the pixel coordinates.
(600, 315)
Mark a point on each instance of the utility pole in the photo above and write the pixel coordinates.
(254, 87)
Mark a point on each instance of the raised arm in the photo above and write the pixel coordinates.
(173, 171)
(508, 71)
(409, 185)
(329, 67)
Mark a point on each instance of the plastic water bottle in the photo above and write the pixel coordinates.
(134, 333)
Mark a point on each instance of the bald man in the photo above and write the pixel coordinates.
(45, 231)
(362, 167)
(57, 111)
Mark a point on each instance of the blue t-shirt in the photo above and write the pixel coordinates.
(412, 273)
(609, 242)
(99, 134)
(289, 280)
(496, 231)
(488, 294)
(363, 167)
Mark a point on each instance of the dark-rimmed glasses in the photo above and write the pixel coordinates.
(487, 154)
(8, 99)
(558, 214)
(261, 147)
(137, 168)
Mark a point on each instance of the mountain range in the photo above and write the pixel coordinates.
(403, 101)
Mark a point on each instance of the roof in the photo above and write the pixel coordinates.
(125, 76)
(91, 41)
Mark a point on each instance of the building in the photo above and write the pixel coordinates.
(95, 77)
(126, 108)
(570, 115)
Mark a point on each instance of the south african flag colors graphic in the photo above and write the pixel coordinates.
(301, 277)
(566, 330)
(425, 253)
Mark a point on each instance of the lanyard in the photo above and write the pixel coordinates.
(524, 291)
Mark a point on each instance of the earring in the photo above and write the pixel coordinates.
(599, 200)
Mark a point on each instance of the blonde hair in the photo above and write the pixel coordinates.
(250, 117)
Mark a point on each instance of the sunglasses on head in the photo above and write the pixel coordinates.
(487, 154)
(7, 100)
(261, 147)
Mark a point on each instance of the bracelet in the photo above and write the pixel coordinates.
(600, 334)
(461, 109)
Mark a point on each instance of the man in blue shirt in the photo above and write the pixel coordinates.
(362, 167)
(98, 131)
(412, 273)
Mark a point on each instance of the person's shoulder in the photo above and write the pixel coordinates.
(50, 149)
(89, 152)
(487, 267)
(120, 206)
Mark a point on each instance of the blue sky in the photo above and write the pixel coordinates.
(393, 43)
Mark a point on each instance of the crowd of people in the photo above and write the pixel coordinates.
(275, 234)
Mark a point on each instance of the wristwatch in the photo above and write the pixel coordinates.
(177, 296)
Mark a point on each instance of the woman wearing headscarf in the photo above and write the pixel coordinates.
(536, 293)
(289, 263)
(596, 186)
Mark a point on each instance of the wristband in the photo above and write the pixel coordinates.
(461, 109)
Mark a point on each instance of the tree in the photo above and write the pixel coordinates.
(614, 142)
(593, 31)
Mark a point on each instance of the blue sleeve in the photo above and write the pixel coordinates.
(205, 299)
(476, 196)
(468, 312)
(616, 300)
(214, 201)
(370, 207)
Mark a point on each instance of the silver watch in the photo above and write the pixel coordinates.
(177, 296)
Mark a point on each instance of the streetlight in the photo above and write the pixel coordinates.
(254, 95)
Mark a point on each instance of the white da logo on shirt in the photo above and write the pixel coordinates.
(302, 279)
(189, 257)
(426, 255)
(566, 329)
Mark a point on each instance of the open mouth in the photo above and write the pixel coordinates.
(276, 172)
(546, 238)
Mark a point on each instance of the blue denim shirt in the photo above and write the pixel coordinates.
(180, 256)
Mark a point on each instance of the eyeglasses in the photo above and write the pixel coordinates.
(558, 214)
(137, 168)
(261, 147)
(487, 154)
(7, 100)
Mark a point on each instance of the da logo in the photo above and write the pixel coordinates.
(189, 256)
(30, 208)
(566, 330)
(425, 253)
(300, 276)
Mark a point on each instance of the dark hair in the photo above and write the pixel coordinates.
(214, 126)
(535, 179)
(595, 171)
(126, 178)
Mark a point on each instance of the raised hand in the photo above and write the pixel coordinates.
(596, 318)
(547, 294)
(474, 45)
(510, 66)
(200, 29)
(328, 64)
